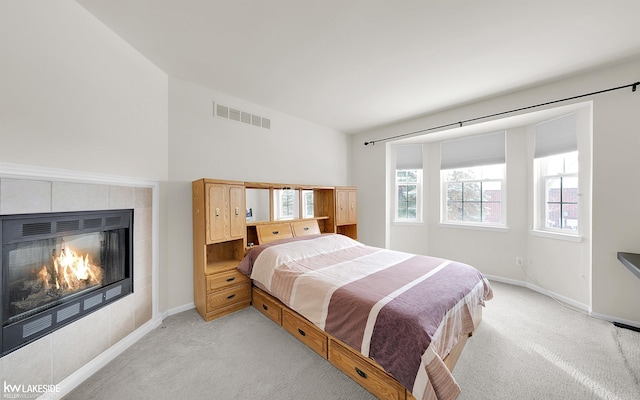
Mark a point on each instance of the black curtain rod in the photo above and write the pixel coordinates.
(634, 87)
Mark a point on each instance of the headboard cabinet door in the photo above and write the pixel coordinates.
(270, 232)
(303, 228)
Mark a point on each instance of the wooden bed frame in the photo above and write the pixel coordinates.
(366, 372)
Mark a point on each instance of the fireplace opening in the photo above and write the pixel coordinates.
(58, 267)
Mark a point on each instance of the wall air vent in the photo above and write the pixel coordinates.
(245, 117)
(234, 114)
(222, 111)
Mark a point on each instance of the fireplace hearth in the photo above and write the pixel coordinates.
(58, 267)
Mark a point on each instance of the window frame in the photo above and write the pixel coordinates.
(444, 200)
(419, 195)
(541, 195)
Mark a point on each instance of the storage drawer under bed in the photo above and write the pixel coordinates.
(364, 372)
(267, 305)
(305, 331)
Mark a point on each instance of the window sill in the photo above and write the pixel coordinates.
(491, 228)
(557, 236)
(409, 223)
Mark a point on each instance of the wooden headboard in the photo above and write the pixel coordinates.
(283, 230)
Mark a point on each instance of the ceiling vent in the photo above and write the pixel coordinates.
(234, 114)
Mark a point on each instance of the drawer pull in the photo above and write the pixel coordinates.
(306, 228)
(275, 232)
(361, 373)
(303, 333)
(265, 307)
(231, 296)
(233, 278)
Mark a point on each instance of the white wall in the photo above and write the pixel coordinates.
(76, 96)
(203, 146)
(561, 268)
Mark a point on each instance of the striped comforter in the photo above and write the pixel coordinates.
(404, 311)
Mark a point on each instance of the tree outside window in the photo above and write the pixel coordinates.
(474, 195)
(408, 194)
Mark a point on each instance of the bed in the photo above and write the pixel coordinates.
(395, 322)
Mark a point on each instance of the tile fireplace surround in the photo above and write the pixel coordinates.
(61, 358)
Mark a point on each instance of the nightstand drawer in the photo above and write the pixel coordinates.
(305, 331)
(267, 305)
(225, 279)
(223, 298)
(364, 372)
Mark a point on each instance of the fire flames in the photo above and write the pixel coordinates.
(70, 272)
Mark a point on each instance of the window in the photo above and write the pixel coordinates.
(408, 183)
(474, 195)
(556, 176)
(472, 174)
(408, 189)
(558, 192)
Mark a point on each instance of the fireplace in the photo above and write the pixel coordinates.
(58, 267)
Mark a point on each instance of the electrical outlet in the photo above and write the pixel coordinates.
(519, 261)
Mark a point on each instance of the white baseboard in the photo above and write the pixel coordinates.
(177, 310)
(93, 366)
(575, 304)
(616, 319)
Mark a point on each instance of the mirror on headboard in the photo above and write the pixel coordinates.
(258, 207)
(307, 203)
(286, 204)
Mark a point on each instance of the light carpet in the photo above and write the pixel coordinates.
(528, 346)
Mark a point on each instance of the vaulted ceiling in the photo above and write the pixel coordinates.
(356, 64)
